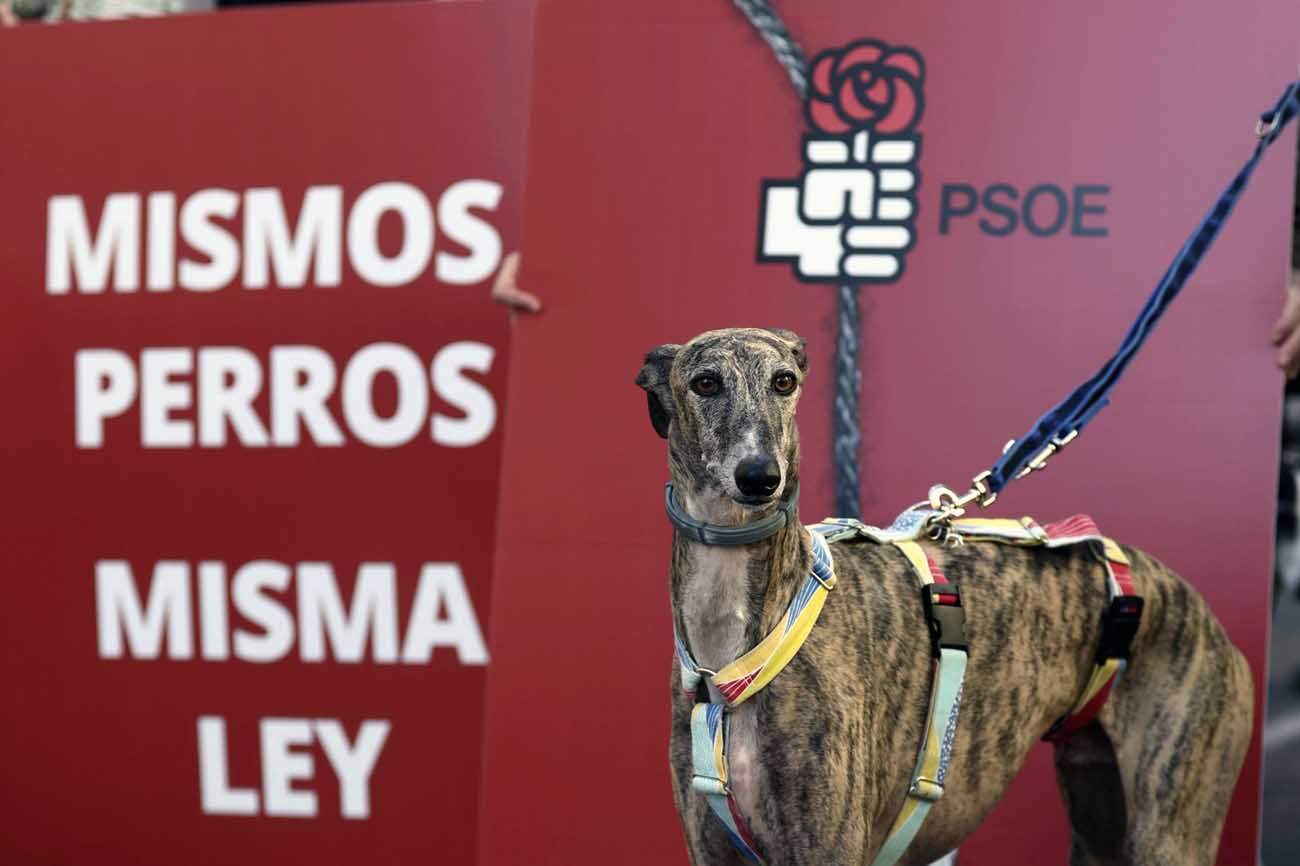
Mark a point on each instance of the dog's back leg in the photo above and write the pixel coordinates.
(1092, 787)
(1149, 782)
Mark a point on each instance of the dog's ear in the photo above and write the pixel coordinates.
(796, 344)
(653, 378)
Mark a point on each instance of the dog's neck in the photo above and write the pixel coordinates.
(725, 597)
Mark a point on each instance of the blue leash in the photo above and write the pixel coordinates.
(1060, 425)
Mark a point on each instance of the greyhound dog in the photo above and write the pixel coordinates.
(820, 760)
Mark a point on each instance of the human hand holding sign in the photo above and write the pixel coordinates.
(1286, 332)
(505, 288)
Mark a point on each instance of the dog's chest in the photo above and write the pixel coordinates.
(744, 769)
(715, 608)
(717, 619)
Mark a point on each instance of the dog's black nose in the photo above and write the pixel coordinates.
(758, 476)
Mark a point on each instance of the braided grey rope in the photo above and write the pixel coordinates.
(788, 53)
(846, 434)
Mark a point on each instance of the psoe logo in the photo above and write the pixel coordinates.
(850, 216)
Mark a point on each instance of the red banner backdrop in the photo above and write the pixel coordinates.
(253, 389)
(1061, 168)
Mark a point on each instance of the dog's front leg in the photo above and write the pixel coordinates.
(706, 840)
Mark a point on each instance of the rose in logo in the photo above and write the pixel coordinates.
(866, 86)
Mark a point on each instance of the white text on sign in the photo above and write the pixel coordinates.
(141, 625)
(190, 398)
(264, 243)
(283, 764)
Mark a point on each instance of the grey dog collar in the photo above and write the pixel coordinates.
(728, 536)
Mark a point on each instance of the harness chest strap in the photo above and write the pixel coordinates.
(709, 774)
(739, 681)
(948, 641)
(747, 675)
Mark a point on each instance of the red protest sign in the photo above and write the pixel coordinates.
(254, 383)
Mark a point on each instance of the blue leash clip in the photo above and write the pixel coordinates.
(1067, 419)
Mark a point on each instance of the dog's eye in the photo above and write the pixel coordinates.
(784, 383)
(706, 386)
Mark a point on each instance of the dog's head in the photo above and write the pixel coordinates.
(725, 402)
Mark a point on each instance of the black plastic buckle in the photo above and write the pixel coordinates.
(1119, 624)
(944, 613)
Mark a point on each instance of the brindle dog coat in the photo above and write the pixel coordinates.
(820, 760)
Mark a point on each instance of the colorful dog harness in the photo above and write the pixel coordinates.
(741, 680)
(746, 676)
(1119, 622)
